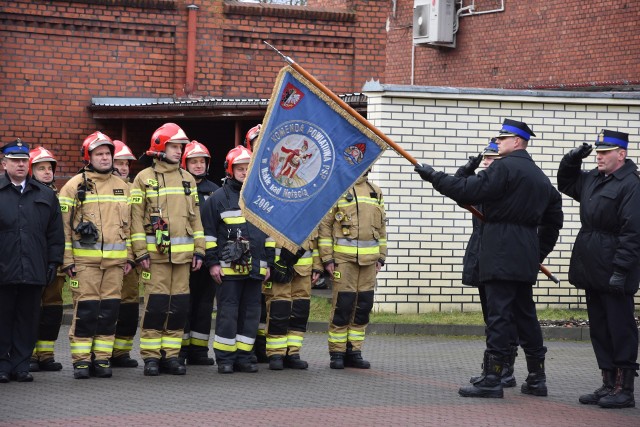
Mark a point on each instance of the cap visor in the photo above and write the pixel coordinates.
(504, 135)
(606, 147)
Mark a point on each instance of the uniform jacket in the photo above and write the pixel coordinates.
(359, 213)
(107, 207)
(206, 189)
(609, 238)
(523, 215)
(160, 190)
(470, 261)
(30, 231)
(223, 221)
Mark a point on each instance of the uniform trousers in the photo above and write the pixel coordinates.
(197, 330)
(510, 303)
(613, 330)
(96, 300)
(237, 319)
(19, 309)
(166, 306)
(351, 304)
(513, 340)
(287, 314)
(50, 320)
(128, 314)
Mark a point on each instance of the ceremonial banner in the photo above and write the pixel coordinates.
(310, 151)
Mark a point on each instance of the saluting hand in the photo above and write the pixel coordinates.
(581, 152)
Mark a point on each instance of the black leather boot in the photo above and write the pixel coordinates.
(172, 366)
(507, 378)
(276, 362)
(81, 370)
(489, 384)
(293, 361)
(337, 360)
(622, 394)
(124, 361)
(101, 369)
(151, 367)
(34, 366)
(353, 359)
(536, 382)
(608, 382)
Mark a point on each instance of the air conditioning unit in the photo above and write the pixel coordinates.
(433, 22)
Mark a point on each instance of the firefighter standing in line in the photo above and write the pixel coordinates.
(168, 243)
(195, 341)
(42, 166)
(238, 259)
(129, 299)
(96, 216)
(287, 302)
(353, 247)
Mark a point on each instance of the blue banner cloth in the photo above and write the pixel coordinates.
(310, 151)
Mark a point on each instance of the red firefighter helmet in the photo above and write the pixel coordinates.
(41, 154)
(192, 150)
(168, 132)
(251, 136)
(122, 151)
(94, 141)
(236, 156)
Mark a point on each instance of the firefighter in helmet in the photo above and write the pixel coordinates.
(238, 256)
(168, 243)
(96, 216)
(353, 247)
(42, 166)
(195, 341)
(130, 298)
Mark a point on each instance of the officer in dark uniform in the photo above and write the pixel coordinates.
(604, 261)
(523, 217)
(470, 268)
(31, 251)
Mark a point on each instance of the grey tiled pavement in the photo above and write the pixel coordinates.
(413, 382)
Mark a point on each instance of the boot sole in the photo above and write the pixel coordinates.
(628, 405)
(540, 393)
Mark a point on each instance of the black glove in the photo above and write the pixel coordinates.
(233, 250)
(425, 171)
(470, 167)
(68, 270)
(288, 258)
(52, 270)
(580, 152)
(281, 273)
(616, 283)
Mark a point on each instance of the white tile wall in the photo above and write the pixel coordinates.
(427, 232)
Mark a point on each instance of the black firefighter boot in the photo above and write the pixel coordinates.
(622, 394)
(608, 382)
(337, 360)
(536, 382)
(100, 369)
(507, 378)
(171, 365)
(353, 359)
(260, 349)
(489, 384)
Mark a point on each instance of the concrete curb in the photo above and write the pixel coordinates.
(549, 332)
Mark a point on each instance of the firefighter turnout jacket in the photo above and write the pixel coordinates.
(103, 200)
(354, 230)
(166, 192)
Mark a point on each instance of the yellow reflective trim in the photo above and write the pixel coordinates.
(244, 347)
(120, 344)
(189, 247)
(231, 272)
(224, 347)
(199, 342)
(234, 220)
(210, 245)
(64, 208)
(294, 340)
(353, 250)
(269, 244)
(305, 261)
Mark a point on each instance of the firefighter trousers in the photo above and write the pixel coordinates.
(287, 314)
(128, 314)
(195, 340)
(351, 304)
(50, 320)
(96, 300)
(236, 319)
(166, 305)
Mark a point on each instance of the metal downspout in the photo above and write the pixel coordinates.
(192, 25)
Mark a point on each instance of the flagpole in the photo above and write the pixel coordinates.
(375, 130)
(346, 106)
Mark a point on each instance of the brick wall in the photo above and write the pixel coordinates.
(427, 232)
(57, 55)
(537, 43)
